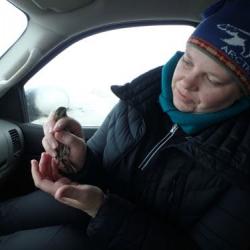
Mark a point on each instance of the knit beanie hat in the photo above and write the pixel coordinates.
(224, 33)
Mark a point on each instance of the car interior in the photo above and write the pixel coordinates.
(52, 27)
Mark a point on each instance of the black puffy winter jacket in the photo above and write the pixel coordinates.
(179, 192)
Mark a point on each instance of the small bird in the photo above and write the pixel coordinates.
(63, 151)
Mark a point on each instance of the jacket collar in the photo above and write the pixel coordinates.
(141, 89)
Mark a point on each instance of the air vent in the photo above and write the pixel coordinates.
(15, 140)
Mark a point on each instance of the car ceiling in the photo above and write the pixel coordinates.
(52, 22)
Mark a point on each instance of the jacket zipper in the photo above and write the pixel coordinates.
(157, 147)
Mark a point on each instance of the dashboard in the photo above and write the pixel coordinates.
(11, 147)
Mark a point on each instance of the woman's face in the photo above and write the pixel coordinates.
(201, 85)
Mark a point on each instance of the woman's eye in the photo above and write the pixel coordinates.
(186, 62)
(213, 82)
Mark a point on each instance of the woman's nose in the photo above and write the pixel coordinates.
(190, 82)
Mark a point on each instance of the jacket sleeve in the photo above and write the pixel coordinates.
(92, 172)
(227, 224)
(121, 225)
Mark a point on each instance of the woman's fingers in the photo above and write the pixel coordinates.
(69, 124)
(44, 166)
(49, 124)
(68, 138)
(50, 144)
(55, 169)
(56, 131)
(65, 123)
(47, 183)
(77, 147)
(44, 184)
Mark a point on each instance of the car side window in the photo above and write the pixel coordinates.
(80, 77)
(16, 22)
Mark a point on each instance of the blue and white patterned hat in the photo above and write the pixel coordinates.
(225, 34)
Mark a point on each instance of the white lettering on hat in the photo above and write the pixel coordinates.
(238, 38)
(238, 59)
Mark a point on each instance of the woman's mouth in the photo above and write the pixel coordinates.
(183, 97)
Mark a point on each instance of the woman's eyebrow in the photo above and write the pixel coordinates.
(188, 55)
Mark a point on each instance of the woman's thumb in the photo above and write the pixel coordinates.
(68, 191)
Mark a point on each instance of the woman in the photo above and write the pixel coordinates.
(168, 169)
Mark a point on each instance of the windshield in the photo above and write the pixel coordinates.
(12, 24)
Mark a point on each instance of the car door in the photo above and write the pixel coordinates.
(78, 74)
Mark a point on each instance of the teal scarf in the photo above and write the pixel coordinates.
(192, 123)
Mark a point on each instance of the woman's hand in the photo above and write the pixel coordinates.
(68, 132)
(47, 178)
(84, 197)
